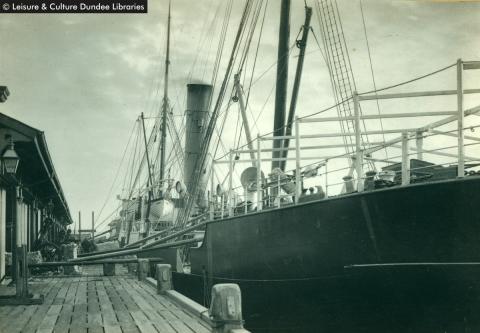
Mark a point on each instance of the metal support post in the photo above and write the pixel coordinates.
(326, 178)
(279, 199)
(212, 191)
(230, 184)
(405, 160)
(419, 144)
(298, 180)
(243, 111)
(259, 176)
(358, 144)
(461, 148)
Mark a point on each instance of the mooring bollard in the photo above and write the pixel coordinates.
(226, 308)
(164, 278)
(143, 269)
(109, 269)
(70, 252)
(132, 268)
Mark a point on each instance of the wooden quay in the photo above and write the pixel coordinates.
(98, 302)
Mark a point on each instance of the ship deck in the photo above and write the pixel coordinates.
(94, 303)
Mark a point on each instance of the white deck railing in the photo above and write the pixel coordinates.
(363, 150)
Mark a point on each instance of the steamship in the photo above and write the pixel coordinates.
(349, 242)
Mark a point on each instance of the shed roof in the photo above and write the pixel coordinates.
(35, 170)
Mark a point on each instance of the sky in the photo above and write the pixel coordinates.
(84, 78)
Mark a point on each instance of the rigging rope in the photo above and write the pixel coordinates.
(371, 70)
(323, 26)
(221, 43)
(201, 162)
(361, 94)
(118, 171)
(253, 67)
(260, 34)
(410, 81)
(134, 158)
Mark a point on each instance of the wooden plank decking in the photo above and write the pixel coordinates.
(98, 304)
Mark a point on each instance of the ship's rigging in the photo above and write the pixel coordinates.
(343, 83)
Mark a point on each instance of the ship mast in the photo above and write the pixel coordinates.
(282, 76)
(165, 103)
(302, 45)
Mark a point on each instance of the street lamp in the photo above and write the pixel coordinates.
(10, 160)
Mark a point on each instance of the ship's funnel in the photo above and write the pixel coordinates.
(197, 117)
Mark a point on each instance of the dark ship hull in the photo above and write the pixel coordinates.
(298, 266)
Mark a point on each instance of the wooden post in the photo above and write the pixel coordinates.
(70, 252)
(164, 278)
(298, 180)
(19, 254)
(18, 246)
(461, 148)
(230, 184)
(358, 144)
(405, 160)
(80, 226)
(419, 143)
(143, 269)
(259, 176)
(109, 269)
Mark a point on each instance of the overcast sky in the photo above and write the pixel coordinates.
(84, 79)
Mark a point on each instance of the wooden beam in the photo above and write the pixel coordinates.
(91, 262)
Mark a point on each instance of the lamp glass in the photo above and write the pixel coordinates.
(10, 161)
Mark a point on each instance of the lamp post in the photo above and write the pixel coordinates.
(10, 161)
